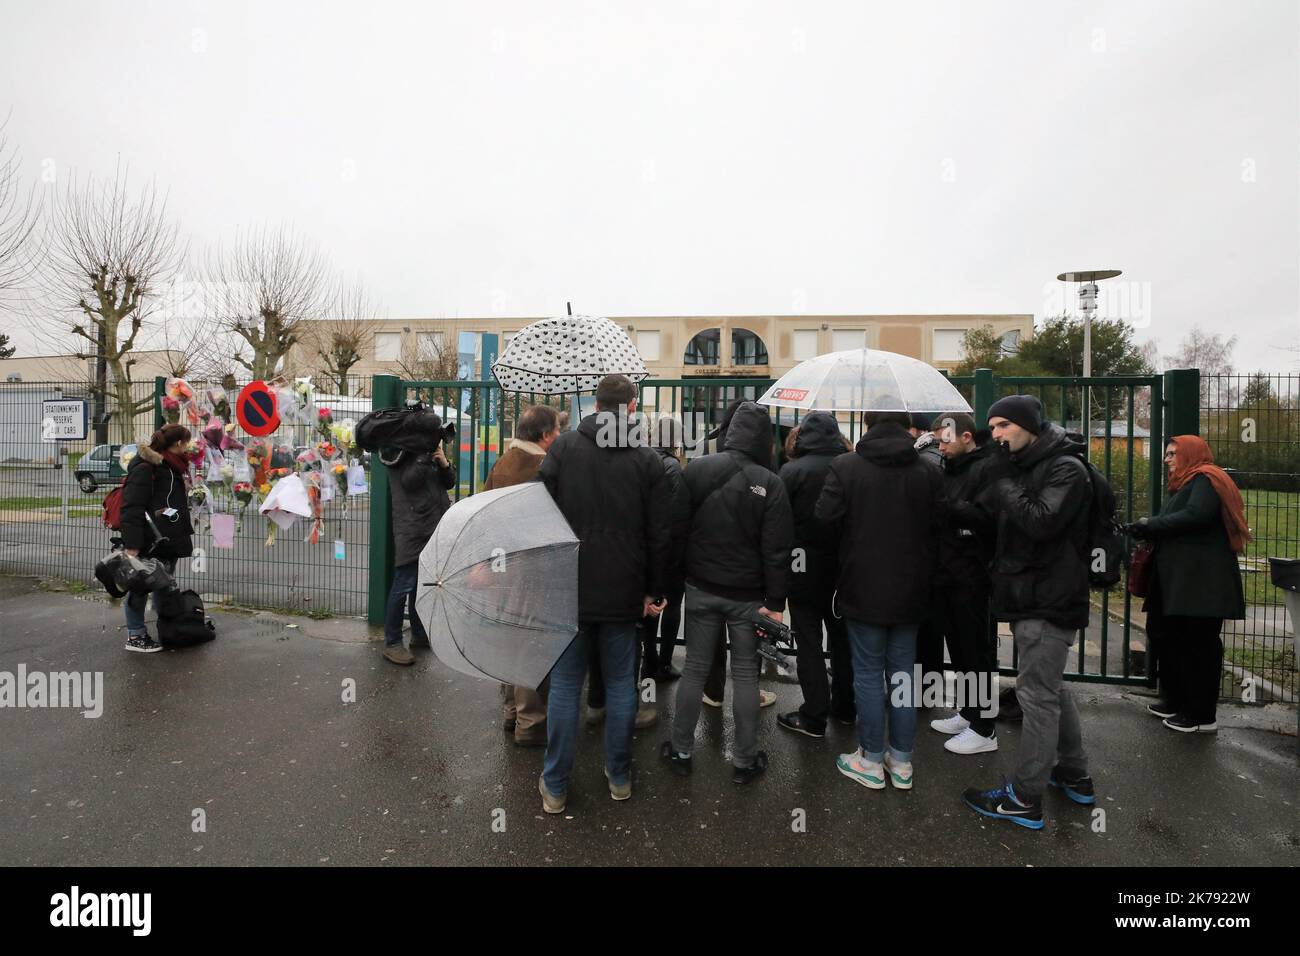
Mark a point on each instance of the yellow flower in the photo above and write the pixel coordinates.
(265, 489)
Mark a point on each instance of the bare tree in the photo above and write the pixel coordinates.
(339, 341)
(264, 287)
(110, 254)
(19, 214)
(429, 358)
(1212, 354)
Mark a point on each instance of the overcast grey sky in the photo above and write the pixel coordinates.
(696, 158)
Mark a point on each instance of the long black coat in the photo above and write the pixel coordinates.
(883, 497)
(1040, 569)
(1195, 564)
(741, 528)
(151, 486)
(968, 532)
(419, 500)
(615, 496)
(815, 566)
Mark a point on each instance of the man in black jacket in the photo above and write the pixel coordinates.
(883, 496)
(418, 482)
(814, 569)
(737, 560)
(966, 537)
(610, 487)
(1041, 496)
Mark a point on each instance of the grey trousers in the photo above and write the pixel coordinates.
(705, 616)
(1051, 733)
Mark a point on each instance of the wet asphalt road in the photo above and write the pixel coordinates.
(252, 729)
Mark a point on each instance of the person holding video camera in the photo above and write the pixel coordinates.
(737, 562)
(418, 482)
(154, 499)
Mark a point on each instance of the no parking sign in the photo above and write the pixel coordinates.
(255, 409)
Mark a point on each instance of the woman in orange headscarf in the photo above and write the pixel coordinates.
(1198, 534)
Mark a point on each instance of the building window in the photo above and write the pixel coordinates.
(647, 343)
(947, 345)
(842, 340)
(805, 344)
(428, 346)
(388, 346)
(703, 348)
(747, 348)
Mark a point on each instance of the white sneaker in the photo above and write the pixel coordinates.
(853, 766)
(711, 702)
(900, 774)
(969, 742)
(766, 698)
(950, 725)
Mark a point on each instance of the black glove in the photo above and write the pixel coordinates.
(1139, 529)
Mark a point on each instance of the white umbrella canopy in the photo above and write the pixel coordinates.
(865, 380)
(498, 585)
(567, 355)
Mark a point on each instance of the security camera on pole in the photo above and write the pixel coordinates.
(1088, 305)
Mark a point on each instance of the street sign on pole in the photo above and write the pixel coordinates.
(63, 420)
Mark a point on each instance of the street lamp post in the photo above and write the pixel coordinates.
(1087, 305)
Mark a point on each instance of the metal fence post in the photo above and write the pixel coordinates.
(983, 395)
(1182, 402)
(159, 390)
(386, 392)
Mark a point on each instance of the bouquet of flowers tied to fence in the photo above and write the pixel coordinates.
(171, 410)
(200, 507)
(244, 494)
(259, 459)
(273, 476)
(324, 423)
(216, 399)
(344, 434)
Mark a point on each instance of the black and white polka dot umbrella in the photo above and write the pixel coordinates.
(567, 355)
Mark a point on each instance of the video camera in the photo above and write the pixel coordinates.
(447, 432)
(775, 641)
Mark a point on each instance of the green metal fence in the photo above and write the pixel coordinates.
(50, 516)
(1252, 422)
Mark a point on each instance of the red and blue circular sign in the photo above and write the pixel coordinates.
(255, 409)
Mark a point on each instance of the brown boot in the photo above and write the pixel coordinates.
(399, 654)
(534, 736)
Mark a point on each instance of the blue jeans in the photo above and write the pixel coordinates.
(617, 644)
(880, 652)
(400, 597)
(133, 605)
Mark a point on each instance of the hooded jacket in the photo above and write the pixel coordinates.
(883, 498)
(815, 566)
(614, 494)
(968, 532)
(741, 528)
(1040, 497)
(151, 486)
(419, 500)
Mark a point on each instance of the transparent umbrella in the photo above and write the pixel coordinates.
(498, 585)
(865, 380)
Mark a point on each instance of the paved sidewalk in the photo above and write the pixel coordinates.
(253, 730)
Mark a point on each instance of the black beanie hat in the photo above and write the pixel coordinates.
(1023, 410)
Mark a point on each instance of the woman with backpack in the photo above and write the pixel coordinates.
(154, 497)
(1197, 536)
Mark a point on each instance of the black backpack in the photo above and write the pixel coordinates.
(182, 619)
(1107, 544)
